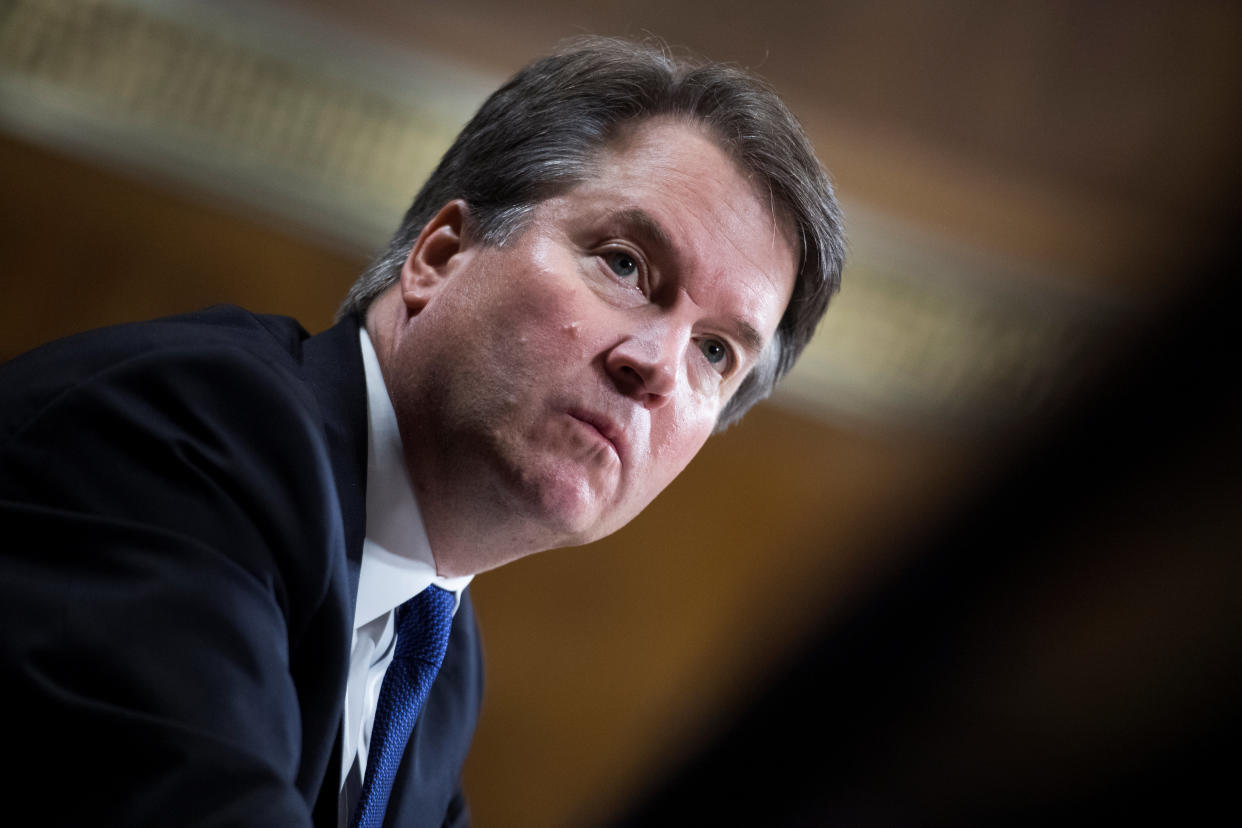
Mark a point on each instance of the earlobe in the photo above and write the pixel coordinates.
(431, 257)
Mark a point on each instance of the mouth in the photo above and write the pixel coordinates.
(604, 427)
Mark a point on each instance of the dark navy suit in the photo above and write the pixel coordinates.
(182, 510)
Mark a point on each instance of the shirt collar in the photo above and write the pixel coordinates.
(397, 563)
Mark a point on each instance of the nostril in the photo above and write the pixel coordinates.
(630, 378)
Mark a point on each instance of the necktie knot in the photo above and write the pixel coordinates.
(423, 624)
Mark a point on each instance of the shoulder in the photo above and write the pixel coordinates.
(174, 567)
(37, 377)
(200, 426)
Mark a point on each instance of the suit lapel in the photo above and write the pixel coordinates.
(332, 365)
(332, 362)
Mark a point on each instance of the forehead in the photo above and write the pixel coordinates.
(683, 160)
(670, 181)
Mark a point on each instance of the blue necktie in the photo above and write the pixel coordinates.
(423, 624)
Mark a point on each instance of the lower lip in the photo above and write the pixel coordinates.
(599, 435)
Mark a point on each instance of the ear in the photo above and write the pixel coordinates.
(431, 257)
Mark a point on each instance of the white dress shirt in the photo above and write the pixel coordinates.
(396, 565)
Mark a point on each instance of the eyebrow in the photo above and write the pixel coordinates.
(644, 224)
(747, 336)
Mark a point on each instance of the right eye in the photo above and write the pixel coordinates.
(624, 266)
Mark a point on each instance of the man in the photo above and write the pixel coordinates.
(223, 533)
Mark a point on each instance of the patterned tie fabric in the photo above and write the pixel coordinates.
(423, 624)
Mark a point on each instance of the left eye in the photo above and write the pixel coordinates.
(622, 264)
(715, 351)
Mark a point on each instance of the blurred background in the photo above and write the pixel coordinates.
(977, 558)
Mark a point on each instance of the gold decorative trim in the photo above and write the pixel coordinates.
(299, 121)
(264, 109)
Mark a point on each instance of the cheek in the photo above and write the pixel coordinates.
(677, 438)
(558, 321)
(534, 322)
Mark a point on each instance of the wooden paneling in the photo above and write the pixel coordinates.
(84, 247)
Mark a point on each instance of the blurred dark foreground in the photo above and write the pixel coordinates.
(1067, 649)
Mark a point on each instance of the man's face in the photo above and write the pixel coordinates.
(564, 379)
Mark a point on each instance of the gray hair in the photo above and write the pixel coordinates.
(539, 134)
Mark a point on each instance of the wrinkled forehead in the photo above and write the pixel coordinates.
(625, 135)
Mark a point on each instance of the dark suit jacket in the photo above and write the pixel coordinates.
(182, 512)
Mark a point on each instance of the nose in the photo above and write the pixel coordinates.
(643, 365)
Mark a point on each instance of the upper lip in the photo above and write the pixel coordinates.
(606, 426)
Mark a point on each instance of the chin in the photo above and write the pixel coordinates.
(568, 511)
